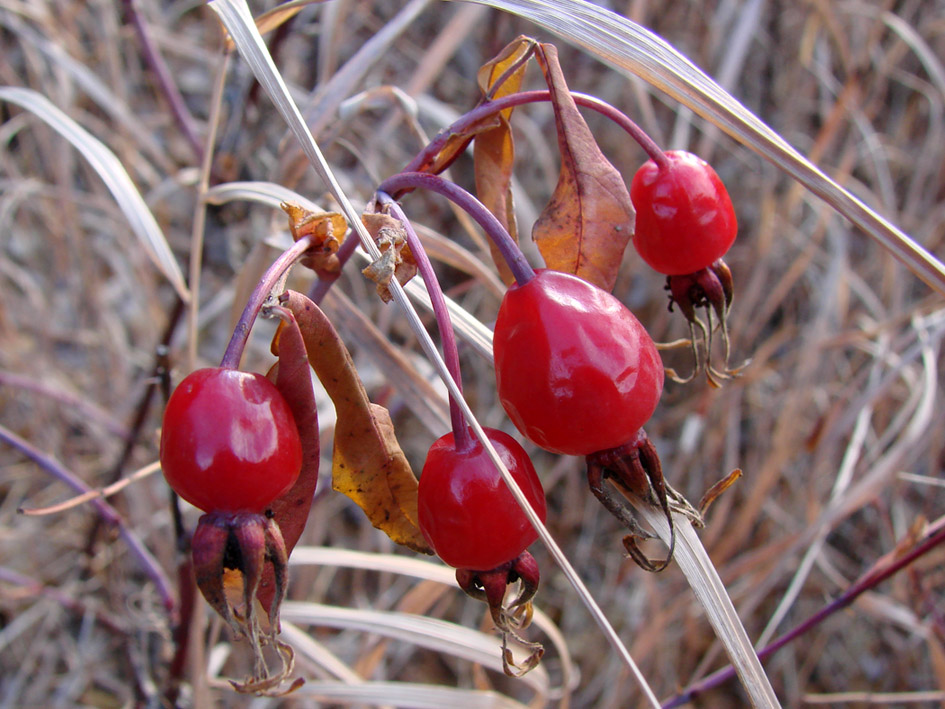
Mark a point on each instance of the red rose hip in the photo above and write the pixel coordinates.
(576, 371)
(685, 220)
(229, 442)
(466, 511)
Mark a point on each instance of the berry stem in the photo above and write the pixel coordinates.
(507, 246)
(489, 108)
(462, 440)
(275, 273)
(326, 280)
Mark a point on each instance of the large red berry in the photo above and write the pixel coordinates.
(466, 511)
(229, 441)
(576, 372)
(685, 220)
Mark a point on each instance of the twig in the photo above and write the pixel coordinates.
(147, 561)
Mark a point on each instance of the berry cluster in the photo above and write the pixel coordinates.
(576, 372)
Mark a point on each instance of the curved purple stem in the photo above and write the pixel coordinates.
(490, 108)
(461, 438)
(507, 246)
(234, 350)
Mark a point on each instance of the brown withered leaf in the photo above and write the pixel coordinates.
(494, 149)
(396, 259)
(292, 377)
(327, 230)
(367, 463)
(586, 226)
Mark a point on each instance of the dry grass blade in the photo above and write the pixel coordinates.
(438, 635)
(695, 563)
(424, 570)
(113, 174)
(405, 694)
(635, 50)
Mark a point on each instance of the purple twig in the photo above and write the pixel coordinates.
(934, 536)
(326, 280)
(461, 439)
(234, 350)
(105, 510)
(490, 108)
(507, 246)
(154, 59)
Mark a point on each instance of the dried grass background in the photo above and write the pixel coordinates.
(836, 423)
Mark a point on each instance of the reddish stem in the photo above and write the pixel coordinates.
(507, 246)
(934, 536)
(155, 60)
(327, 280)
(278, 269)
(461, 438)
(490, 108)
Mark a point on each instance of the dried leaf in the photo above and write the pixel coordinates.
(328, 230)
(293, 379)
(586, 226)
(396, 259)
(367, 463)
(494, 149)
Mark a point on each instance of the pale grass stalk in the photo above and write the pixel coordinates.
(426, 571)
(239, 22)
(440, 636)
(694, 561)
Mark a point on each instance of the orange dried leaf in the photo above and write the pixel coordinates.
(367, 463)
(327, 230)
(508, 66)
(494, 149)
(396, 259)
(589, 221)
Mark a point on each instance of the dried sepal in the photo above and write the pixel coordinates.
(509, 618)
(327, 230)
(712, 289)
(714, 492)
(396, 259)
(231, 551)
(634, 469)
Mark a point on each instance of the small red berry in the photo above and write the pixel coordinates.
(576, 371)
(685, 220)
(229, 442)
(466, 511)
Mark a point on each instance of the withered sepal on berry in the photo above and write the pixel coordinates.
(245, 542)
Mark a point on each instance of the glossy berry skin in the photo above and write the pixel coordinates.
(229, 442)
(576, 371)
(685, 220)
(466, 511)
